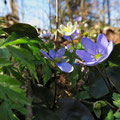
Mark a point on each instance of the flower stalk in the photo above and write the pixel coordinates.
(72, 43)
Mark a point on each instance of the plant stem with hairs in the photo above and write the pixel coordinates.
(72, 43)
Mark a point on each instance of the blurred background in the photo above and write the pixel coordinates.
(41, 13)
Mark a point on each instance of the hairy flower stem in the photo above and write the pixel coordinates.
(72, 43)
(108, 79)
(106, 82)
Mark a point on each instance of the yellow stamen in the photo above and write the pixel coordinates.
(97, 56)
(66, 29)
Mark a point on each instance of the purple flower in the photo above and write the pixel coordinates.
(79, 19)
(55, 56)
(74, 36)
(94, 53)
(46, 35)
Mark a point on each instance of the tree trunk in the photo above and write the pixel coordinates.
(14, 9)
(82, 7)
(103, 11)
(115, 18)
(99, 11)
(57, 19)
(49, 2)
(108, 11)
(70, 13)
(82, 4)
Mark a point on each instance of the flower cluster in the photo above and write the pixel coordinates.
(93, 53)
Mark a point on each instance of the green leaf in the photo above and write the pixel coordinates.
(6, 112)
(11, 38)
(25, 56)
(13, 96)
(36, 51)
(115, 55)
(4, 57)
(18, 98)
(50, 44)
(5, 62)
(79, 46)
(15, 42)
(99, 104)
(16, 73)
(117, 103)
(97, 112)
(2, 41)
(46, 73)
(19, 52)
(116, 96)
(75, 75)
(19, 108)
(97, 107)
(84, 95)
(114, 75)
(117, 115)
(4, 53)
(20, 41)
(110, 116)
(98, 87)
(11, 87)
(6, 81)
(22, 29)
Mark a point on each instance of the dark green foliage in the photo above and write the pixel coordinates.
(22, 29)
(98, 87)
(75, 75)
(110, 115)
(13, 96)
(46, 73)
(114, 76)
